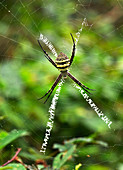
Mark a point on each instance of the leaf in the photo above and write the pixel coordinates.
(86, 140)
(60, 159)
(11, 137)
(40, 166)
(61, 148)
(3, 134)
(13, 166)
(101, 143)
(78, 140)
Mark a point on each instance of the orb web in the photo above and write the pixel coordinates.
(25, 74)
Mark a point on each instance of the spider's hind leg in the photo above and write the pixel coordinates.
(45, 95)
(52, 88)
(79, 83)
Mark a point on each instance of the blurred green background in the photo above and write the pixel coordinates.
(25, 75)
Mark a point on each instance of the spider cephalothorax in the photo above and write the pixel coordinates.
(63, 63)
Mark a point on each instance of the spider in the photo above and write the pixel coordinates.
(62, 63)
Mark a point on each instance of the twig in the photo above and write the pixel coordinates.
(13, 158)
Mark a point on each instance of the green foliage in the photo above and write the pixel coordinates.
(71, 148)
(13, 166)
(6, 138)
(60, 159)
(26, 75)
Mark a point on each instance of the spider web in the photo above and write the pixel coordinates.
(24, 75)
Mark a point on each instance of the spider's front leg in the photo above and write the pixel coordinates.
(46, 55)
(52, 88)
(73, 52)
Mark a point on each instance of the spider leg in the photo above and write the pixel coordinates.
(46, 55)
(52, 88)
(73, 52)
(79, 83)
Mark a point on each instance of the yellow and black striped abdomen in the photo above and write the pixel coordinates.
(62, 62)
(63, 65)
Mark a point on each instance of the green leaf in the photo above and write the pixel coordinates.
(101, 143)
(61, 148)
(40, 166)
(11, 137)
(60, 159)
(86, 140)
(13, 166)
(81, 139)
(3, 134)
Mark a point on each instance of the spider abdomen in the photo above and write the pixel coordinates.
(62, 62)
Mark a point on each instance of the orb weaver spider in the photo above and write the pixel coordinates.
(62, 63)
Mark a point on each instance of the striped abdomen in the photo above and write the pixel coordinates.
(62, 62)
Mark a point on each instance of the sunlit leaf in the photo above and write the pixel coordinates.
(13, 166)
(11, 137)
